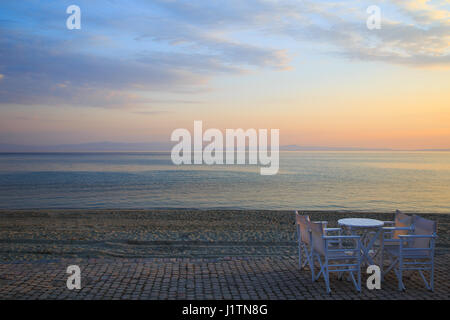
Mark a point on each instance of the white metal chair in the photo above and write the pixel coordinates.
(303, 238)
(402, 225)
(414, 251)
(304, 252)
(348, 256)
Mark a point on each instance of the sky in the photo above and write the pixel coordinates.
(137, 70)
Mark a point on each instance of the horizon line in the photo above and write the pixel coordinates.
(108, 146)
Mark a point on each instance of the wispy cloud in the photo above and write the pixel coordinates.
(126, 52)
(399, 41)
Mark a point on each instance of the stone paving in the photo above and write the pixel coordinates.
(195, 278)
(179, 254)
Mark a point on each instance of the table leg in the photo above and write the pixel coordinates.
(366, 248)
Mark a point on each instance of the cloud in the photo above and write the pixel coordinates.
(343, 31)
(394, 43)
(424, 11)
(126, 53)
(408, 45)
(57, 68)
(229, 14)
(340, 26)
(49, 74)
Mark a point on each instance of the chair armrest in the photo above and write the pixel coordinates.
(396, 228)
(331, 229)
(409, 236)
(341, 237)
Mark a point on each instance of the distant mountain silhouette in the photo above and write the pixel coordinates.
(108, 146)
(89, 147)
(294, 147)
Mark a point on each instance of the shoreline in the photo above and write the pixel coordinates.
(169, 210)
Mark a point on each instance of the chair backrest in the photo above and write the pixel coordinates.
(318, 242)
(302, 222)
(423, 226)
(402, 220)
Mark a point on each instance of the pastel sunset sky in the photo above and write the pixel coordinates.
(139, 69)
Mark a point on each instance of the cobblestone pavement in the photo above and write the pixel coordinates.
(190, 278)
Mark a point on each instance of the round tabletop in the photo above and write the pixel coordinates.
(360, 223)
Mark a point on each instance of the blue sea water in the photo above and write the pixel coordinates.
(360, 181)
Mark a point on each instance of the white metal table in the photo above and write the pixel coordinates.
(368, 238)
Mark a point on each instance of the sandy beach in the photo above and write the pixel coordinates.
(179, 254)
(54, 234)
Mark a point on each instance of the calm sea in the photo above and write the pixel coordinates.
(361, 181)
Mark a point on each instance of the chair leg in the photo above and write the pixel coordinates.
(327, 279)
(399, 273)
(359, 278)
(432, 275)
(321, 269)
(356, 282)
(326, 275)
(306, 258)
(300, 256)
(427, 285)
(359, 270)
(299, 241)
(395, 261)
